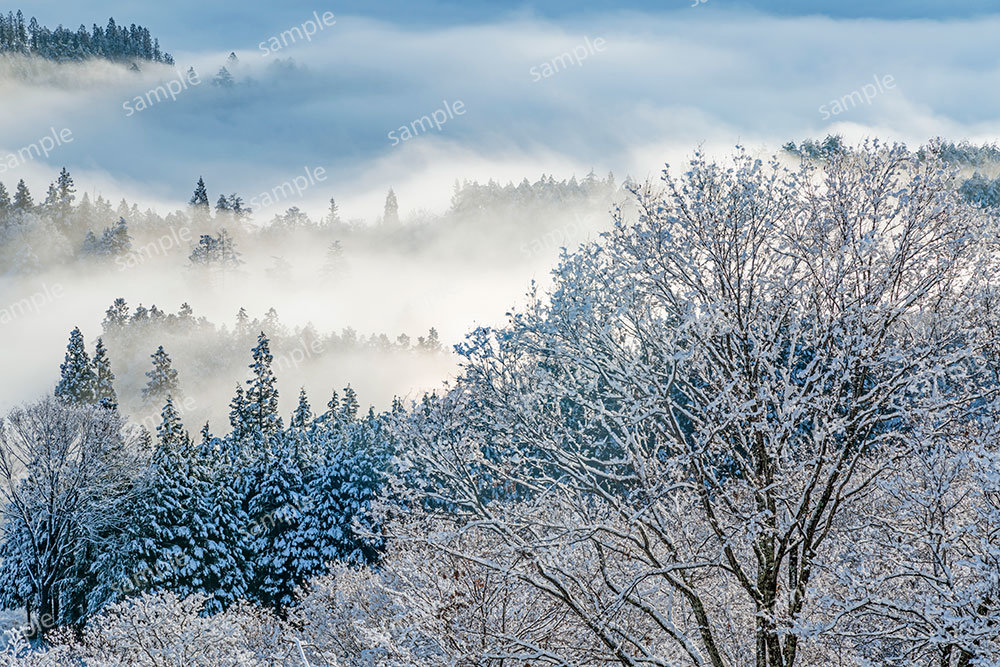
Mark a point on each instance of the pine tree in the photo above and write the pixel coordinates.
(239, 424)
(199, 202)
(262, 393)
(349, 406)
(330, 418)
(242, 323)
(238, 207)
(162, 378)
(22, 197)
(334, 264)
(104, 378)
(64, 196)
(333, 215)
(223, 79)
(391, 214)
(51, 199)
(116, 316)
(228, 257)
(5, 202)
(76, 384)
(222, 204)
(302, 417)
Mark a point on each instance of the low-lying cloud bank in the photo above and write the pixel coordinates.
(659, 86)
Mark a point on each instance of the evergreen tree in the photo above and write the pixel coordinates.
(239, 423)
(22, 197)
(302, 417)
(276, 514)
(228, 257)
(51, 198)
(242, 323)
(341, 493)
(162, 378)
(334, 264)
(216, 251)
(238, 207)
(199, 202)
(64, 196)
(330, 418)
(112, 42)
(104, 378)
(333, 215)
(116, 316)
(391, 214)
(349, 406)
(76, 384)
(261, 408)
(171, 536)
(5, 202)
(223, 79)
(91, 245)
(116, 239)
(227, 563)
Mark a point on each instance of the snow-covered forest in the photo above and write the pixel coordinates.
(743, 409)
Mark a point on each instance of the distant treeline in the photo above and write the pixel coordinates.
(979, 189)
(113, 42)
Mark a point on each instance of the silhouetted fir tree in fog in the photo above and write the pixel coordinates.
(215, 252)
(332, 218)
(200, 208)
(390, 216)
(162, 378)
(223, 79)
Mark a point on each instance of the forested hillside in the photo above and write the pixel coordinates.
(782, 445)
(113, 42)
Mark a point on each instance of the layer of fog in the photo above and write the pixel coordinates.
(663, 86)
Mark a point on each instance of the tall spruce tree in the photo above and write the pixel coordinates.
(77, 379)
(104, 378)
(261, 408)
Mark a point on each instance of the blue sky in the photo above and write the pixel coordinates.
(185, 24)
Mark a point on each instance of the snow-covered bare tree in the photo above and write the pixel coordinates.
(66, 473)
(671, 442)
